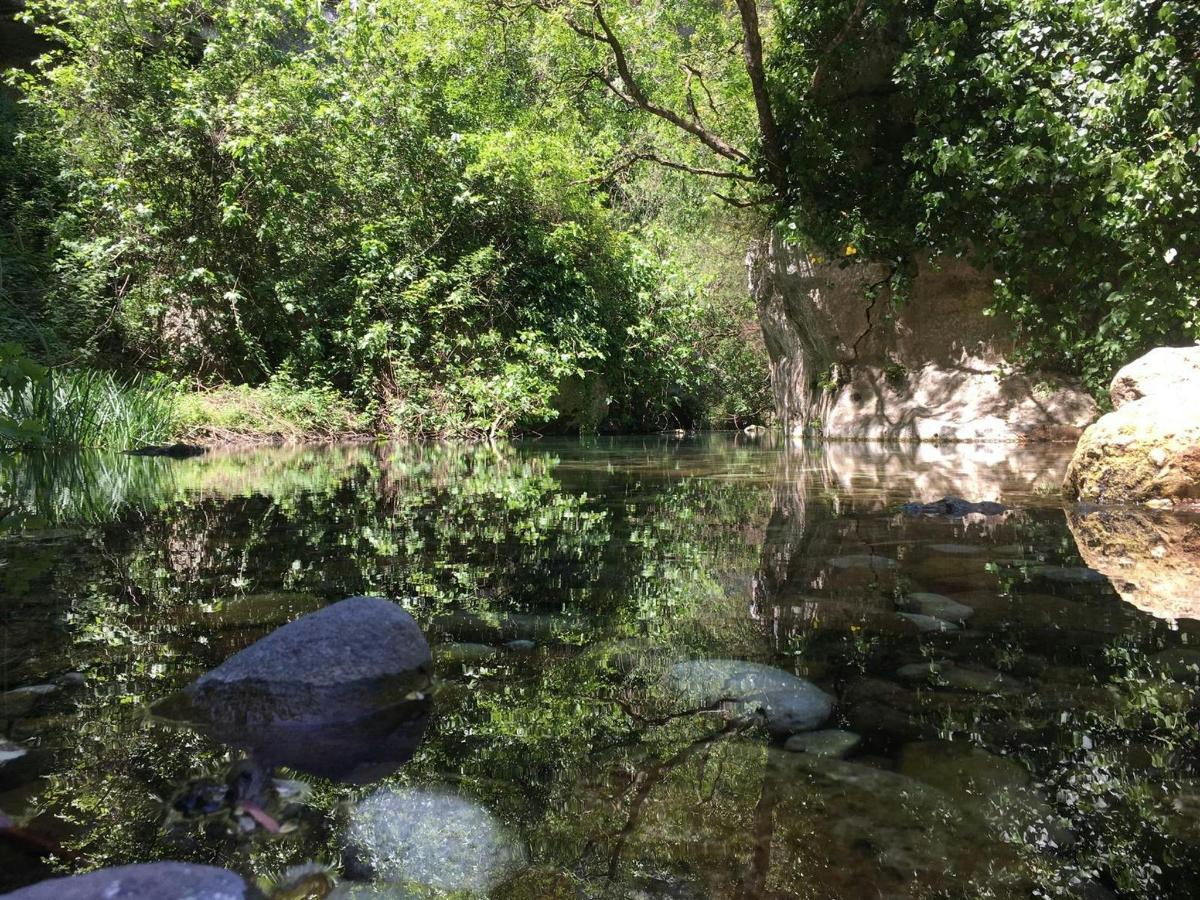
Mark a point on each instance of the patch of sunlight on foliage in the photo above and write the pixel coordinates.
(276, 410)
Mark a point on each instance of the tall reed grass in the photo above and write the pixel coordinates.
(83, 409)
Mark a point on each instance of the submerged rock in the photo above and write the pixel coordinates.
(787, 704)
(955, 549)
(954, 507)
(833, 743)
(863, 561)
(432, 838)
(338, 693)
(938, 606)
(995, 787)
(1072, 575)
(23, 700)
(145, 881)
(928, 624)
(1147, 450)
(465, 652)
(946, 673)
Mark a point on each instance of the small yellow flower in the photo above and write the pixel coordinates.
(851, 250)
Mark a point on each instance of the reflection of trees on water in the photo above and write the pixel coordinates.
(618, 559)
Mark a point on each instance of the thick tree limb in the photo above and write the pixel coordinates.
(631, 93)
(752, 52)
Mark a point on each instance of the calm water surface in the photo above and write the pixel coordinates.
(1019, 724)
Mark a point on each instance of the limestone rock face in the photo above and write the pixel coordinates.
(1164, 371)
(1148, 448)
(1152, 557)
(848, 362)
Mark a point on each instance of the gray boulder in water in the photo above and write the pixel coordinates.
(338, 693)
(788, 704)
(335, 664)
(146, 881)
(954, 507)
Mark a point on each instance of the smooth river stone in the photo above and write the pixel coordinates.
(863, 561)
(433, 838)
(832, 743)
(955, 549)
(22, 700)
(923, 671)
(788, 704)
(10, 752)
(1073, 575)
(338, 664)
(465, 652)
(145, 881)
(938, 606)
(979, 681)
(928, 624)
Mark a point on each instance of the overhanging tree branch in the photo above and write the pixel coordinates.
(631, 93)
(752, 52)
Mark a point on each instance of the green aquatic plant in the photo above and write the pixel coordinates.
(43, 408)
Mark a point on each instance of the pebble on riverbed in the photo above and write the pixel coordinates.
(788, 704)
(832, 743)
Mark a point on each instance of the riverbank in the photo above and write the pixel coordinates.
(269, 414)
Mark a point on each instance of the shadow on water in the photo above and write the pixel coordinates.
(1003, 720)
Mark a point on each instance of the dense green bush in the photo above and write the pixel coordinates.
(380, 198)
(1055, 141)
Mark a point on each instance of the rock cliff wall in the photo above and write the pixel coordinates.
(848, 362)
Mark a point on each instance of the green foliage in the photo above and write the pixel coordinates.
(384, 199)
(278, 409)
(44, 408)
(1054, 142)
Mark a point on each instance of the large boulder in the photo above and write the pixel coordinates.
(340, 693)
(1147, 450)
(1152, 557)
(146, 881)
(850, 361)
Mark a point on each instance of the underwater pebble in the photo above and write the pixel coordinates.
(832, 743)
(928, 624)
(938, 606)
(862, 561)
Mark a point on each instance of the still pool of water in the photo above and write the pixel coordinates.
(620, 626)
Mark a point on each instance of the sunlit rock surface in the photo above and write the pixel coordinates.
(149, 881)
(1151, 557)
(1147, 450)
(847, 362)
(432, 838)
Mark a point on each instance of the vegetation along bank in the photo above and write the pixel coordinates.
(469, 218)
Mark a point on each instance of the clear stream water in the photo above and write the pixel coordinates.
(1028, 732)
